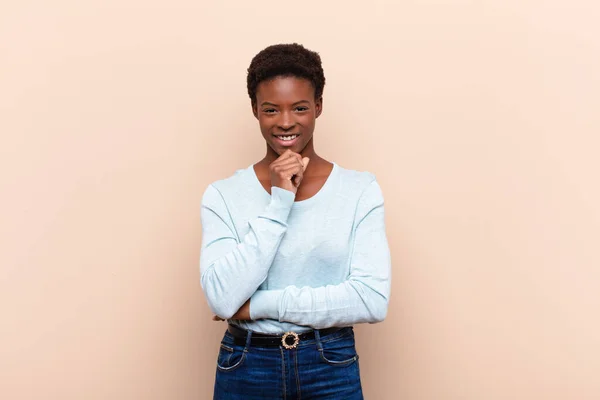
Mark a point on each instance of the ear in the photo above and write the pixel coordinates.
(318, 106)
(254, 109)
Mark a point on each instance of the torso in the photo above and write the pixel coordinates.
(309, 186)
(317, 246)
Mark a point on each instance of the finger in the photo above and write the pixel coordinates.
(294, 157)
(288, 162)
(296, 177)
(297, 180)
(300, 175)
(293, 165)
(295, 169)
(284, 156)
(287, 154)
(305, 162)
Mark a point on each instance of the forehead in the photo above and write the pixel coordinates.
(285, 89)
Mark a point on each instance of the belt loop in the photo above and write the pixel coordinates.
(318, 339)
(248, 338)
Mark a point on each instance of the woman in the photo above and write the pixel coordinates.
(294, 250)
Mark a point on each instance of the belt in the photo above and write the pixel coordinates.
(289, 340)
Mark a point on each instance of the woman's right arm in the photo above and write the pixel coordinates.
(231, 270)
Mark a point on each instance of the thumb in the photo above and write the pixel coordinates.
(305, 161)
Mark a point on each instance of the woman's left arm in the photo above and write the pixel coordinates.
(362, 297)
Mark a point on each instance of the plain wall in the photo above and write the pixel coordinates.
(479, 118)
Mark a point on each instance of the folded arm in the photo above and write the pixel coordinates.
(362, 297)
(232, 269)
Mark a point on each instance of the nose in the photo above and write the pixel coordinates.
(286, 122)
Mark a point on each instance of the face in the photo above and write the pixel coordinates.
(286, 110)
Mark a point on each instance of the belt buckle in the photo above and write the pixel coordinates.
(287, 335)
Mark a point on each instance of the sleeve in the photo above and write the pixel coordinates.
(362, 297)
(231, 269)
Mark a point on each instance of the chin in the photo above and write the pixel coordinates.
(281, 150)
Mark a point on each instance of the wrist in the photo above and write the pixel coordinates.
(264, 304)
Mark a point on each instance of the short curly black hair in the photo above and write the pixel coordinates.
(285, 60)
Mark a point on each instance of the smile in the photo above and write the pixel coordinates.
(286, 140)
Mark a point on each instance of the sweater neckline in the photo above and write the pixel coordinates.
(304, 202)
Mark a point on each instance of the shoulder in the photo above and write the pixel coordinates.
(357, 180)
(367, 193)
(227, 187)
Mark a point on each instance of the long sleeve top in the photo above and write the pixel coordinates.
(315, 263)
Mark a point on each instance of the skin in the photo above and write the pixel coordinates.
(287, 105)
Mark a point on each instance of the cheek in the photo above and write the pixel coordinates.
(264, 126)
(309, 121)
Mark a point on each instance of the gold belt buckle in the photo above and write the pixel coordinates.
(290, 346)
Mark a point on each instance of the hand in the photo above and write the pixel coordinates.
(242, 314)
(288, 170)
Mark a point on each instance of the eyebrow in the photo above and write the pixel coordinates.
(266, 103)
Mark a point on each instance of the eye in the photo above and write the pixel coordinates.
(269, 111)
(301, 108)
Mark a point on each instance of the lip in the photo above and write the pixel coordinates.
(286, 143)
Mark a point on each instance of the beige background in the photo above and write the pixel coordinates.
(479, 118)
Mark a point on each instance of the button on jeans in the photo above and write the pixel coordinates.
(320, 368)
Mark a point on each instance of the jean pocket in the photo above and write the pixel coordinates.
(230, 357)
(339, 352)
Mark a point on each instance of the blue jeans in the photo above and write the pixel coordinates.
(320, 368)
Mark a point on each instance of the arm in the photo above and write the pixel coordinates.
(362, 297)
(231, 270)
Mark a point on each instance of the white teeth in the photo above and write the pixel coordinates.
(288, 137)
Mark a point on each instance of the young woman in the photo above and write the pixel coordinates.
(294, 250)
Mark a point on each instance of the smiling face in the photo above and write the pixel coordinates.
(286, 110)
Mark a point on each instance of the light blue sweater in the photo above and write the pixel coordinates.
(319, 262)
